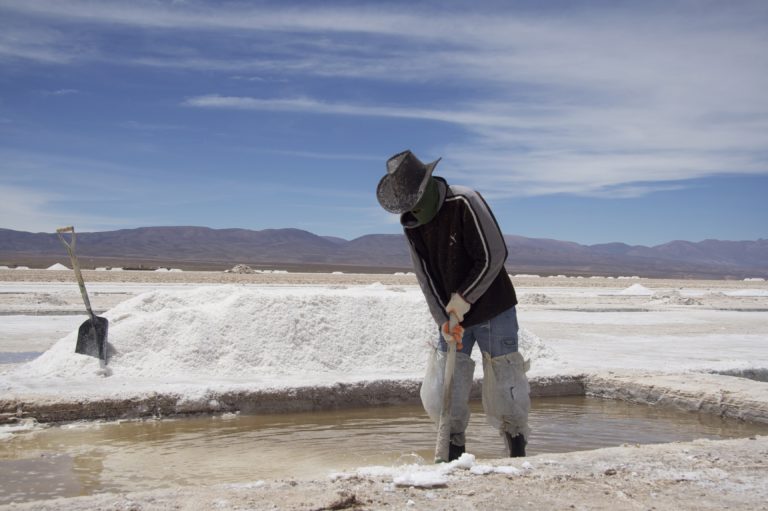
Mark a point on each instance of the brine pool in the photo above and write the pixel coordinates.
(84, 458)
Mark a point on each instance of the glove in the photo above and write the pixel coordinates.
(453, 332)
(457, 306)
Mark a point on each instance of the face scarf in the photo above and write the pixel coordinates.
(426, 209)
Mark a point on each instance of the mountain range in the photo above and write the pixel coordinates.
(202, 247)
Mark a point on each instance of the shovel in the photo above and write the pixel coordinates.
(442, 446)
(92, 335)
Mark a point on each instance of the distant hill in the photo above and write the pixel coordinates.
(296, 248)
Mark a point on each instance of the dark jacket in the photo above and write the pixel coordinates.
(461, 250)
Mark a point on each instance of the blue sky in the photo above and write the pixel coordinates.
(640, 122)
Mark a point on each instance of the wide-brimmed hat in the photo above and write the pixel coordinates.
(404, 183)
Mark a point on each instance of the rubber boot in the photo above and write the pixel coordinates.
(516, 445)
(506, 394)
(455, 451)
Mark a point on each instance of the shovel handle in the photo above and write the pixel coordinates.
(442, 446)
(75, 265)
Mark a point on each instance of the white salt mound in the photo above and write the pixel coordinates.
(636, 290)
(57, 266)
(240, 268)
(675, 298)
(262, 334)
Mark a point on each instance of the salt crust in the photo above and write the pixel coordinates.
(430, 476)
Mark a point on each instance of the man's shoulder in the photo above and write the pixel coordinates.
(458, 192)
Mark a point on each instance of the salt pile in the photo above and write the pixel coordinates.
(675, 298)
(240, 268)
(263, 335)
(636, 290)
(57, 266)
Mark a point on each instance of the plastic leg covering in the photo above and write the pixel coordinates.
(506, 398)
(432, 392)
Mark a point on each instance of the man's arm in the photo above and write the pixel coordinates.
(483, 241)
(436, 307)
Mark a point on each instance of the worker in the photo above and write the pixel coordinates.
(458, 254)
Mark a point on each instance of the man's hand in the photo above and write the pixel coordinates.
(453, 332)
(457, 306)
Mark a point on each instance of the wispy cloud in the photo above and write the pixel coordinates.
(61, 92)
(151, 127)
(27, 42)
(618, 101)
(33, 210)
(567, 150)
(325, 156)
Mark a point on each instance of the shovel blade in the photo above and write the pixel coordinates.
(92, 338)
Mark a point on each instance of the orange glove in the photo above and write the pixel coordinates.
(453, 332)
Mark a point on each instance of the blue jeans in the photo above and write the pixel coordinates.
(497, 336)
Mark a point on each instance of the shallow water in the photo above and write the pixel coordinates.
(86, 458)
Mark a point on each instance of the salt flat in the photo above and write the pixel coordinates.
(189, 334)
